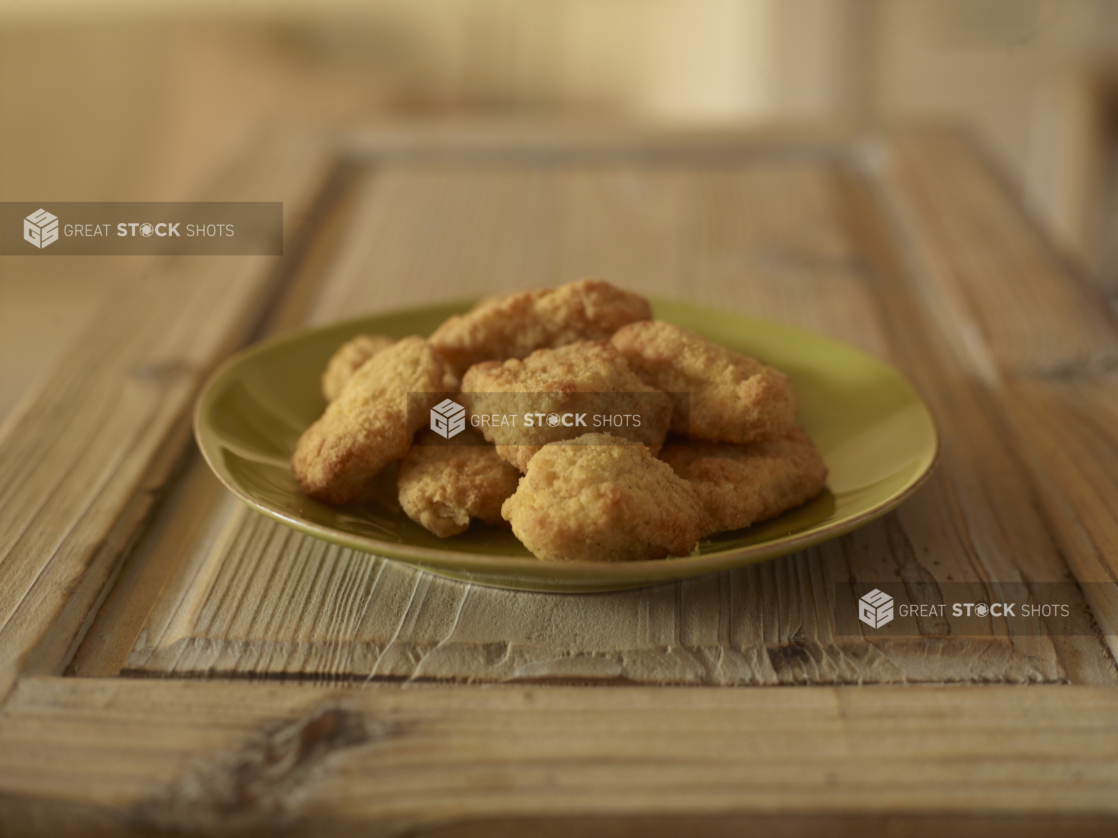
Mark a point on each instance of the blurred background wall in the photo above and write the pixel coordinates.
(130, 100)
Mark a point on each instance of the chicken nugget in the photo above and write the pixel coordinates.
(718, 395)
(368, 426)
(742, 484)
(443, 486)
(346, 361)
(563, 393)
(514, 325)
(599, 498)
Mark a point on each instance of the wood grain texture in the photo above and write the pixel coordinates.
(225, 609)
(990, 278)
(1043, 342)
(83, 458)
(801, 240)
(191, 756)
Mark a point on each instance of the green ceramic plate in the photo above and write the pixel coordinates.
(876, 435)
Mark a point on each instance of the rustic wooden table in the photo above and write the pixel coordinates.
(170, 660)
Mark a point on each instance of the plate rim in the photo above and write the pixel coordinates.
(573, 575)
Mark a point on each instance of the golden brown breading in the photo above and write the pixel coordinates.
(368, 425)
(742, 484)
(442, 486)
(602, 499)
(588, 379)
(345, 362)
(731, 398)
(514, 325)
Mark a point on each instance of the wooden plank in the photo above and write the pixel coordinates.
(987, 273)
(82, 462)
(1067, 433)
(220, 591)
(255, 599)
(981, 483)
(1043, 341)
(194, 755)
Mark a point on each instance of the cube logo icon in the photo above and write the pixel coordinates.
(448, 418)
(875, 609)
(40, 228)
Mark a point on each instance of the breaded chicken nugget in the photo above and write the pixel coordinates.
(602, 499)
(742, 484)
(561, 394)
(514, 325)
(345, 362)
(367, 426)
(443, 486)
(731, 398)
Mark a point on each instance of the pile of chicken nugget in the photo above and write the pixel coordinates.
(718, 447)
